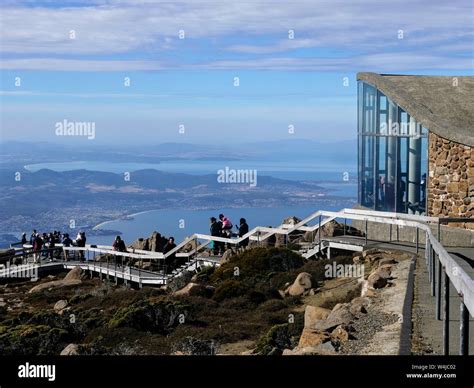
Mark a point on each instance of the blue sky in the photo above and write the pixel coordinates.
(173, 81)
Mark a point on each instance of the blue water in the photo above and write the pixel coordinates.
(167, 221)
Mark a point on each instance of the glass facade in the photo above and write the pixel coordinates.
(392, 155)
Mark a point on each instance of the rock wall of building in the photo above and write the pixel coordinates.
(451, 180)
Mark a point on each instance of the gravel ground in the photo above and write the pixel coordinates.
(365, 328)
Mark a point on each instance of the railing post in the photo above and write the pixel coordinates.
(439, 232)
(115, 269)
(345, 225)
(463, 330)
(417, 240)
(438, 292)
(319, 233)
(140, 263)
(446, 315)
(390, 238)
(433, 271)
(430, 264)
(427, 246)
(366, 230)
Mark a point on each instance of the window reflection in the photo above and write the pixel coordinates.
(392, 155)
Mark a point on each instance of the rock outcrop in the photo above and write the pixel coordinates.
(301, 286)
(312, 314)
(73, 278)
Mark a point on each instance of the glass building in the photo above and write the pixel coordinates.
(392, 155)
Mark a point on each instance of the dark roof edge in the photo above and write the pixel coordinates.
(421, 113)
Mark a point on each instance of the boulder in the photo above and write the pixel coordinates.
(310, 337)
(359, 305)
(313, 314)
(192, 289)
(226, 256)
(387, 260)
(74, 274)
(340, 315)
(292, 221)
(324, 349)
(70, 350)
(55, 284)
(156, 242)
(60, 305)
(379, 278)
(340, 334)
(301, 285)
(141, 243)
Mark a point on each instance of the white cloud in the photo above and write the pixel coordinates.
(255, 30)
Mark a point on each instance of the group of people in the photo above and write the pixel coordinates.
(223, 228)
(49, 240)
(45, 242)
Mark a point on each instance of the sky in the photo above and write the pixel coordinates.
(142, 71)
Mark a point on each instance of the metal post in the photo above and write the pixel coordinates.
(438, 292)
(366, 230)
(319, 232)
(398, 233)
(140, 263)
(417, 240)
(430, 264)
(390, 238)
(123, 274)
(115, 269)
(433, 272)
(464, 330)
(439, 232)
(345, 225)
(446, 315)
(427, 246)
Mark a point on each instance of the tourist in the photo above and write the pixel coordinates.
(51, 246)
(119, 245)
(67, 242)
(216, 231)
(226, 225)
(243, 230)
(23, 239)
(81, 243)
(37, 245)
(33, 237)
(170, 261)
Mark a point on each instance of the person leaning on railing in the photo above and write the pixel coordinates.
(81, 243)
(119, 245)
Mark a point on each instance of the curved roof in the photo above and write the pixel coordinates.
(434, 101)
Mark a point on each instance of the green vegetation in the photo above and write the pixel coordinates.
(241, 302)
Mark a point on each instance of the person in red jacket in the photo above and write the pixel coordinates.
(37, 246)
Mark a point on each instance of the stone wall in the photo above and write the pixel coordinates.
(451, 180)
